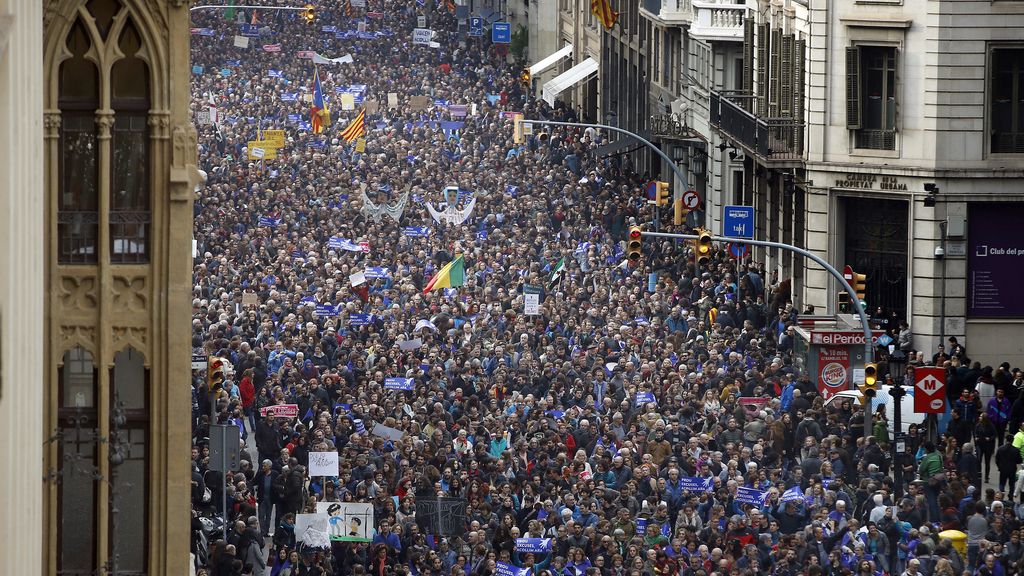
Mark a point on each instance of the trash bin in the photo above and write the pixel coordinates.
(959, 541)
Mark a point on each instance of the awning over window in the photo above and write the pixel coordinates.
(568, 79)
(551, 60)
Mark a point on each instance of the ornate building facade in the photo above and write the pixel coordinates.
(99, 176)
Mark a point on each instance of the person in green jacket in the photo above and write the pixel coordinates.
(880, 429)
(1018, 441)
(931, 464)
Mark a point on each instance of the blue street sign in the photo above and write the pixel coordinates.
(884, 340)
(501, 33)
(738, 222)
(476, 26)
(738, 251)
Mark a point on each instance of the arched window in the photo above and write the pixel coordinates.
(76, 494)
(77, 217)
(129, 168)
(129, 431)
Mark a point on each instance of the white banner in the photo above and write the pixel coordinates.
(323, 464)
(422, 36)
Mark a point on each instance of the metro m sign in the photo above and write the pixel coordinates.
(930, 396)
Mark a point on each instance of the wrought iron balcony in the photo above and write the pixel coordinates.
(720, 20)
(771, 139)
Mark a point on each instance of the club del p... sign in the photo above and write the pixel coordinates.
(930, 396)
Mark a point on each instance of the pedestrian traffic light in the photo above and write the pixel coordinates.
(214, 372)
(661, 194)
(525, 77)
(843, 302)
(634, 247)
(679, 212)
(308, 13)
(702, 247)
(870, 380)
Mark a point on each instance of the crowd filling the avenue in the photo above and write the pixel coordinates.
(441, 362)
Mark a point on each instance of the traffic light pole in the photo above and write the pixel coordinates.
(680, 174)
(869, 348)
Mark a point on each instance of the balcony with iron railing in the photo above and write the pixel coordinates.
(773, 140)
(720, 20)
(672, 12)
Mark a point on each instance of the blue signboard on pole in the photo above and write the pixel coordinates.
(501, 33)
(738, 222)
(476, 26)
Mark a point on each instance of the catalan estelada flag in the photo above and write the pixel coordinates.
(319, 115)
(603, 10)
(452, 275)
(356, 129)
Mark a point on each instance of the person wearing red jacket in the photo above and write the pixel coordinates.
(247, 392)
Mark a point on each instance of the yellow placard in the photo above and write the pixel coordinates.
(258, 153)
(263, 144)
(360, 145)
(276, 136)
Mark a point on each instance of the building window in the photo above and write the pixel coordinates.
(77, 217)
(76, 494)
(129, 534)
(1007, 101)
(871, 96)
(129, 170)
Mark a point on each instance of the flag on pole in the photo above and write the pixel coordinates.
(556, 274)
(356, 129)
(255, 17)
(603, 10)
(451, 276)
(229, 13)
(320, 115)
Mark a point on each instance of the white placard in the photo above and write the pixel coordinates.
(858, 375)
(323, 464)
(348, 521)
(203, 117)
(392, 99)
(387, 433)
(421, 21)
(241, 41)
(531, 304)
(422, 36)
(257, 153)
(303, 522)
(348, 101)
(406, 345)
(358, 3)
(357, 279)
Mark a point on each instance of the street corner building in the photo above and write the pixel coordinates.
(98, 156)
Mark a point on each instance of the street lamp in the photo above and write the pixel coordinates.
(897, 362)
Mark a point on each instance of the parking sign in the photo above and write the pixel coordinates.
(738, 222)
(476, 26)
(501, 33)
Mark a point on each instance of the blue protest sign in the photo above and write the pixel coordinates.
(533, 545)
(197, 69)
(376, 272)
(289, 97)
(641, 525)
(416, 231)
(476, 26)
(359, 319)
(269, 221)
(753, 496)
(275, 74)
(506, 569)
(325, 311)
(643, 398)
(251, 30)
(398, 384)
(695, 484)
(738, 221)
(225, 72)
(794, 494)
(338, 243)
(501, 33)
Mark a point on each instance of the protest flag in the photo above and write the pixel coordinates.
(356, 129)
(452, 275)
(320, 115)
(556, 274)
(603, 10)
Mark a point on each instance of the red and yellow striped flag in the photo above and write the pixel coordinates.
(356, 129)
(603, 10)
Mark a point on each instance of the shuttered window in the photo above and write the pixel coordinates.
(871, 96)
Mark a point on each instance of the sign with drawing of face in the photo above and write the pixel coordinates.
(348, 521)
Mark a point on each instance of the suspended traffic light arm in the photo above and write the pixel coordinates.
(869, 347)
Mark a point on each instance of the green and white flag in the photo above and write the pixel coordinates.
(556, 273)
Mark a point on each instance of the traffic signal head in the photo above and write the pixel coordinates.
(308, 13)
(859, 285)
(634, 246)
(214, 372)
(870, 380)
(678, 212)
(702, 247)
(843, 302)
(661, 194)
(525, 77)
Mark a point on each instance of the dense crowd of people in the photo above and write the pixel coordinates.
(622, 429)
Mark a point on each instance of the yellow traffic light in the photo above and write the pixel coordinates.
(214, 372)
(634, 248)
(525, 77)
(308, 13)
(702, 247)
(859, 285)
(870, 380)
(661, 194)
(679, 212)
